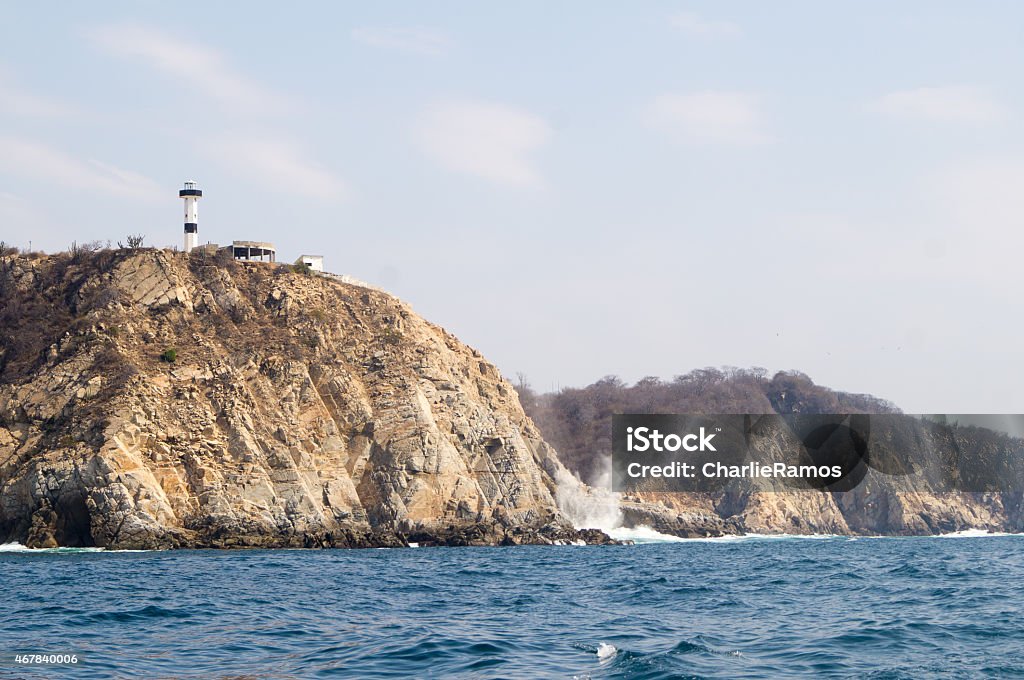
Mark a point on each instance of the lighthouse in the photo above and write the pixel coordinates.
(191, 194)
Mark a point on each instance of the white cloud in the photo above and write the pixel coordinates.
(279, 165)
(415, 39)
(14, 100)
(22, 158)
(953, 103)
(692, 24)
(492, 141)
(198, 67)
(709, 117)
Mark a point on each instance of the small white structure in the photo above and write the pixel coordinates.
(253, 251)
(191, 194)
(314, 262)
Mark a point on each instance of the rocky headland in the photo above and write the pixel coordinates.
(153, 399)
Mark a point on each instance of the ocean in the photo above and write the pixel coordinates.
(754, 607)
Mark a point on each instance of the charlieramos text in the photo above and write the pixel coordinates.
(750, 470)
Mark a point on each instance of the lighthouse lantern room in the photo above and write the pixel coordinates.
(191, 194)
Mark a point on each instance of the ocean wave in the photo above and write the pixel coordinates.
(679, 660)
(19, 548)
(138, 614)
(642, 534)
(963, 533)
(975, 533)
(605, 652)
(780, 537)
(700, 610)
(645, 534)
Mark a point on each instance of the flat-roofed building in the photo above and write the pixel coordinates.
(314, 262)
(253, 251)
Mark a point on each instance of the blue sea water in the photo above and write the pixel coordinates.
(829, 607)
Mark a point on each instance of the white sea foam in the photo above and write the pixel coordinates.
(19, 548)
(13, 547)
(976, 533)
(963, 533)
(605, 652)
(642, 534)
(777, 537)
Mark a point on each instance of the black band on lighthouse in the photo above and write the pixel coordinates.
(191, 227)
(190, 192)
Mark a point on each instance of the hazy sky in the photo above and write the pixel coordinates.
(574, 188)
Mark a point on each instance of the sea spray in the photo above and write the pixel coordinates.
(588, 507)
(597, 507)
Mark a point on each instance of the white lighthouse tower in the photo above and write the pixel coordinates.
(191, 194)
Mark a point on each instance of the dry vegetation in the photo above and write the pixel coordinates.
(577, 421)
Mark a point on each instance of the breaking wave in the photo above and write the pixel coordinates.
(605, 651)
(19, 548)
(642, 534)
(588, 507)
(976, 533)
(596, 507)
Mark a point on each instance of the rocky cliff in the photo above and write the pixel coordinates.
(981, 485)
(151, 399)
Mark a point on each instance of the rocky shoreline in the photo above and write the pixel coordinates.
(152, 399)
(40, 535)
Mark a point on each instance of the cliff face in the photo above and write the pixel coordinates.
(875, 508)
(297, 411)
(153, 399)
(578, 422)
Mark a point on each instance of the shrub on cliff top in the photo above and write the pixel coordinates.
(135, 242)
(170, 355)
(81, 251)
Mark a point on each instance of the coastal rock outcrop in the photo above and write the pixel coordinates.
(921, 476)
(152, 399)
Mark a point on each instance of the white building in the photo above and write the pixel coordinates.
(314, 262)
